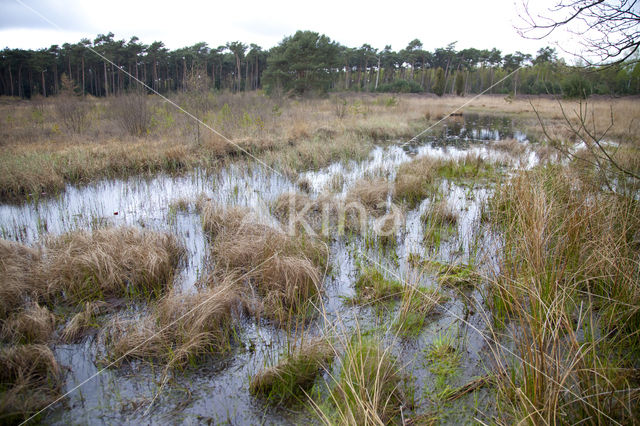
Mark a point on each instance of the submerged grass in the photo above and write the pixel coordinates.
(416, 305)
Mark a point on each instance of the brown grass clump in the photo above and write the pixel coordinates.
(30, 380)
(371, 193)
(441, 213)
(292, 202)
(18, 275)
(30, 324)
(112, 262)
(180, 328)
(294, 374)
(415, 180)
(285, 271)
(295, 211)
(216, 219)
(512, 146)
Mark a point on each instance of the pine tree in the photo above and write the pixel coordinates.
(438, 84)
(459, 84)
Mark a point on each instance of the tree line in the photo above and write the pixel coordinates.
(306, 62)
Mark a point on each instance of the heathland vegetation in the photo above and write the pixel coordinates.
(318, 262)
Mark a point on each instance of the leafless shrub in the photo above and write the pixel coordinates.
(71, 109)
(132, 113)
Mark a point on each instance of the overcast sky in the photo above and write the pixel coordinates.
(472, 23)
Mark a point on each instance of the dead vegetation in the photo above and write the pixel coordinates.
(30, 380)
(290, 135)
(415, 181)
(370, 193)
(110, 263)
(180, 328)
(18, 275)
(29, 324)
(300, 213)
(284, 271)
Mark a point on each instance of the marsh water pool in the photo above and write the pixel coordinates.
(217, 391)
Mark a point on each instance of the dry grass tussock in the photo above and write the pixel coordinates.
(81, 265)
(511, 146)
(441, 213)
(111, 263)
(17, 278)
(30, 324)
(179, 328)
(284, 271)
(295, 373)
(415, 180)
(568, 276)
(370, 193)
(31, 379)
(295, 210)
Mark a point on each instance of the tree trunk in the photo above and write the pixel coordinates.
(246, 75)
(378, 73)
(11, 80)
(20, 90)
(213, 74)
(44, 87)
(55, 77)
(238, 70)
(106, 81)
(346, 76)
(83, 85)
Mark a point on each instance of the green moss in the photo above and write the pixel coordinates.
(372, 287)
(453, 275)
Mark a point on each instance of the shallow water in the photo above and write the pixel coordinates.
(218, 391)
